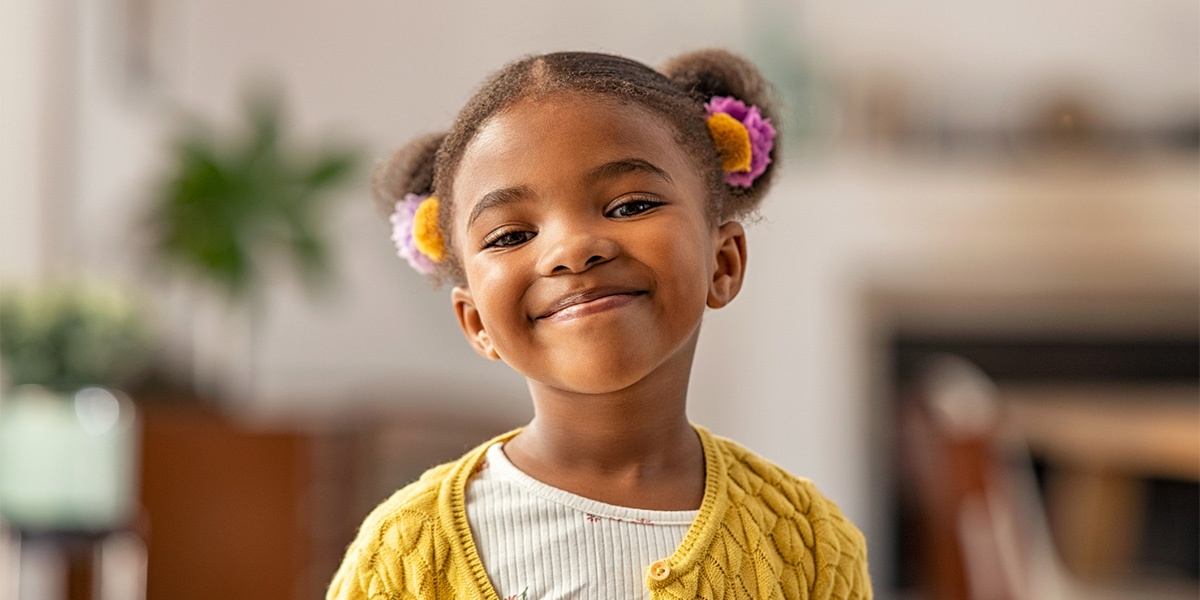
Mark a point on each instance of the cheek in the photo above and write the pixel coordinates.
(498, 296)
(687, 268)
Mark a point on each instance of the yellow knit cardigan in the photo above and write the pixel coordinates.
(761, 533)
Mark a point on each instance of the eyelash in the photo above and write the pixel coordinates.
(636, 200)
(494, 240)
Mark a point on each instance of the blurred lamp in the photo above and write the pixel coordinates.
(67, 463)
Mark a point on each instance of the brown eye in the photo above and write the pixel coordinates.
(506, 239)
(633, 207)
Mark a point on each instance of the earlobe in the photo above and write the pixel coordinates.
(730, 265)
(471, 324)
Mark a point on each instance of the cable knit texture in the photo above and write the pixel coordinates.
(761, 533)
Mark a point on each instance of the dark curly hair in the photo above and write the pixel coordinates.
(429, 164)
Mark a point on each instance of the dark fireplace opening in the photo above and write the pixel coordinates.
(1164, 508)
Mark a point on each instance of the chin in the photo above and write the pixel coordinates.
(593, 380)
(598, 368)
(598, 385)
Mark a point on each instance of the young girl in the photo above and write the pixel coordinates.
(586, 208)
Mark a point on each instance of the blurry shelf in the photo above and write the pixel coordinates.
(1148, 431)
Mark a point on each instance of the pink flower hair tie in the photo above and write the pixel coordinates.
(416, 233)
(743, 136)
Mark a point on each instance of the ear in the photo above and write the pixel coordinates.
(472, 325)
(730, 265)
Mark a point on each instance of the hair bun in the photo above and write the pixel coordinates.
(409, 170)
(715, 72)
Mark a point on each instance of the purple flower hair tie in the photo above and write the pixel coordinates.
(415, 233)
(744, 137)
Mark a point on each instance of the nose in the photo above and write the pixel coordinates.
(577, 249)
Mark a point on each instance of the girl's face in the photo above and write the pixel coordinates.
(589, 257)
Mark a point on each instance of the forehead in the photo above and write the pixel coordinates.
(550, 142)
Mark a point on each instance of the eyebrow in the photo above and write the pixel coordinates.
(625, 166)
(497, 198)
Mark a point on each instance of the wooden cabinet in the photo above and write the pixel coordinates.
(238, 510)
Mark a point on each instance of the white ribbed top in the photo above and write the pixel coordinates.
(541, 543)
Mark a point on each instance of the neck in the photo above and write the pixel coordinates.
(618, 446)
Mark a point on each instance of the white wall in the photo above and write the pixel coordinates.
(22, 45)
(984, 63)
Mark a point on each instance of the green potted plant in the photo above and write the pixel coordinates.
(233, 206)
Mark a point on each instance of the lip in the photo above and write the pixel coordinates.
(586, 302)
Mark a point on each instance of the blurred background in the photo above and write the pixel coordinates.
(972, 312)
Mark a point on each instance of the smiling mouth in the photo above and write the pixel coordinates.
(589, 302)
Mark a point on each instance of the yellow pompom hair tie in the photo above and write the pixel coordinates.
(732, 141)
(427, 235)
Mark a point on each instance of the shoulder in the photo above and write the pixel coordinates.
(396, 542)
(799, 521)
(410, 544)
(407, 510)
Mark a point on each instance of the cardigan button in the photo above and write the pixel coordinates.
(660, 570)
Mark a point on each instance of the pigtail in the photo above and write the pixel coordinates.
(403, 189)
(707, 73)
(409, 170)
